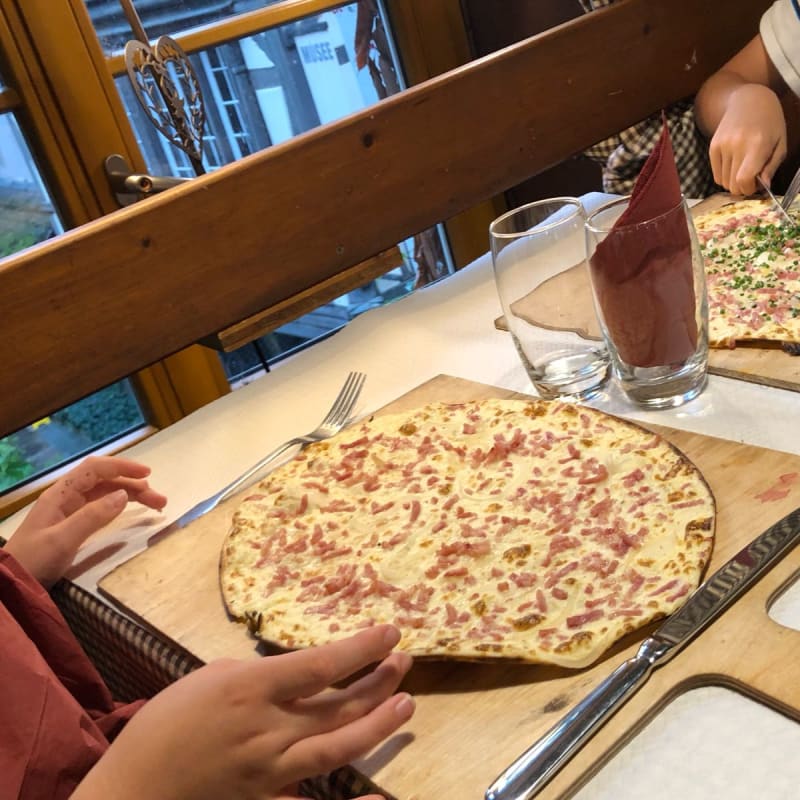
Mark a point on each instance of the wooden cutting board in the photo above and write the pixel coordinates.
(564, 302)
(473, 719)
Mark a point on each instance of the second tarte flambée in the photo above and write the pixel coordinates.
(752, 260)
(496, 529)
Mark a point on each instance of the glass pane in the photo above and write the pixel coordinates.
(264, 89)
(74, 431)
(161, 18)
(28, 216)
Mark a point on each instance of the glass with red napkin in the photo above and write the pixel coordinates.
(648, 282)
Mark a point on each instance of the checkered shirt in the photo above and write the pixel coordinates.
(623, 154)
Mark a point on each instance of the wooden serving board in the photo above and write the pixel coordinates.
(564, 302)
(472, 720)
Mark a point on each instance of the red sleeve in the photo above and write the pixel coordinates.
(55, 711)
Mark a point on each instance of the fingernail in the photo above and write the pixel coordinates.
(405, 660)
(392, 636)
(117, 498)
(405, 706)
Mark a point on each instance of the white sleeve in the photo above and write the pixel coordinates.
(780, 32)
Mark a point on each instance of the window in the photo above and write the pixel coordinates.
(28, 216)
(266, 87)
(66, 103)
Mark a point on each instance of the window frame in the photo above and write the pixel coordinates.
(49, 49)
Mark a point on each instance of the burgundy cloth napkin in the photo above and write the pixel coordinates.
(56, 714)
(643, 277)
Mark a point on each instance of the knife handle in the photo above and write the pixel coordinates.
(537, 765)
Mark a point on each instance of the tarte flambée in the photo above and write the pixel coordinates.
(497, 529)
(752, 260)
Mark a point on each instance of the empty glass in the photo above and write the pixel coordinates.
(531, 244)
(648, 282)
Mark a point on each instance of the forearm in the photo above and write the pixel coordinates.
(104, 782)
(751, 67)
(92, 789)
(715, 98)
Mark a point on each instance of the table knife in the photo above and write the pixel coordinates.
(537, 765)
(775, 204)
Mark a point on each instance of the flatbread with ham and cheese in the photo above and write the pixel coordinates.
(535, 531)
(752, 260)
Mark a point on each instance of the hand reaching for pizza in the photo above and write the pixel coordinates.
(750, 139)
(248, 729)
(77, 505)
(740, 105)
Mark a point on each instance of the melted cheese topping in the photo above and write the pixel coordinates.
(752, 262)
(498, 529)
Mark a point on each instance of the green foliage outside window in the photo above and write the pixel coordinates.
(13, 241)
(13, 466)
(103, 415)
(67, 434)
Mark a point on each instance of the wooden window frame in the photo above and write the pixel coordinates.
(50, 46)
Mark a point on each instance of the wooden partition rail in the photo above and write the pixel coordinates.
(113, 296)
(241, 333)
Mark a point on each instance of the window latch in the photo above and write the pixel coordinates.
(130, 187)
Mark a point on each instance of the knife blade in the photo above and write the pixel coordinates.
(210, 503)
(196, 511)
(524, 778)
(775, 204)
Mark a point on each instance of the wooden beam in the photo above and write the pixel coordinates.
(106, 299)
(271, 318)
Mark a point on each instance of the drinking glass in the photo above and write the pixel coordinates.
(530, 245)
(649, 289)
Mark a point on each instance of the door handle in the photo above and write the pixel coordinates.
(130, 187)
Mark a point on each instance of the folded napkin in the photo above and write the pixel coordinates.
(642, 270)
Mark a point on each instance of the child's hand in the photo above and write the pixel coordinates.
(750, 139)
(73, 508)
(252, 729)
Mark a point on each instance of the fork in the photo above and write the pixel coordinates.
(791, 192)
(775, 204)
(336, 418)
